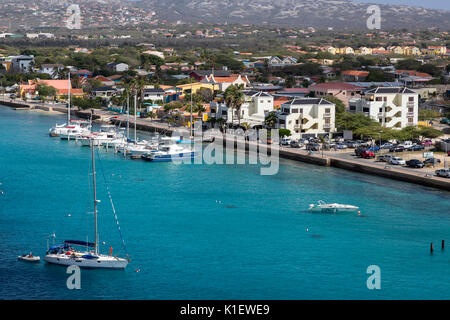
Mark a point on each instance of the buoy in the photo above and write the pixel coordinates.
(359, 212)
(307, 230)
(69, 215)
(138, 270)
(443, 244)
(431, 248)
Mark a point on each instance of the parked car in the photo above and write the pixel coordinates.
(385, 157)
(445, 121)
(285, 141)
(397, 149)
(427, 143)
(431, 161)
(12, 96)
(386, 145)
(295, 144)
(374, 148)
(359, 150)
(443, 173)
(366, 154)
(313, 147)
(414, 163)
(416, 147)
(397, 161)
(352, 144)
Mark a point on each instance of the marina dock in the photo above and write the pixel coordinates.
(325, 159)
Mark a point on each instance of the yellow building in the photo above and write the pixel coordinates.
(186, 88)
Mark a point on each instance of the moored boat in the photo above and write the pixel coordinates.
(321, 206)
(29, 258)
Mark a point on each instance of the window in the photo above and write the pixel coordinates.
(366, 109)
(379, 99)
(353, 108)
(411, 99)
(301, 111)
(384, 98)
(327, 110)
(410, 109)
(294, 110)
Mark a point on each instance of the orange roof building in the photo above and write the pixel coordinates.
(61, 86)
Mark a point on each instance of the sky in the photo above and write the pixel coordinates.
(432, 4)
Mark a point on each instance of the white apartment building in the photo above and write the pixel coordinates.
(394, 107)
(253, 111)
(307, 117)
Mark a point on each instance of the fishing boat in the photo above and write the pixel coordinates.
(29, 258)
(332, 207)
(170, 152)
(83, 253)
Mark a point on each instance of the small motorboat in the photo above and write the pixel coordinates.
(321, 206)
(29, 258)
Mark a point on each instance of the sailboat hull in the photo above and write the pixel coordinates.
(103, 262)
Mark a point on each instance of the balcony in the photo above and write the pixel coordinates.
(410, 104)
(327, 126)
(327, 115)
(410, 114)
(380, 114)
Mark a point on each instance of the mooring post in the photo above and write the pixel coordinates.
(431, 248)
(443, 244)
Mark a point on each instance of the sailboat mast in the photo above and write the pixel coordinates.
(95, 196)
(192, 93)
(68, 108)
(135, 115)
(128, 116)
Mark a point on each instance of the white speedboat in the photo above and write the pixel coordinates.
(29, 258)
(170, 152)
(88, 256)
(332, 207)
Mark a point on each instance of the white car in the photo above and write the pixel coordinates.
(397, 161)
(385, 157)
(443, 173)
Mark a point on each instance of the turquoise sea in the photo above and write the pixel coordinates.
(212, 231)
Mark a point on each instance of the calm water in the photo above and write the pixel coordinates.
(257, 242)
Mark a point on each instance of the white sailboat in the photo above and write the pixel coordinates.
(88, 256)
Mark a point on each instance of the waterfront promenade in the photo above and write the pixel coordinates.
(327, 158)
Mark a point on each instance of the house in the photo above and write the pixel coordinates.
(275, 61)
(105, 81)
(154, 94)
(155, 53)
(21, 63)
(436, 50)
(199, 75)
(353, 75)
(365, 51)
(52, 69)
(117, 67)
(61, 86)
(307, 117)
(222, 83)
(412, 78)
(394, 107)
(104, 92)
(341, 90)
(82, 74)
(255, 108)
(292, 92)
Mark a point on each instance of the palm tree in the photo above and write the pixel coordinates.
(238, 101)
(271, 120)
(228, 98)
